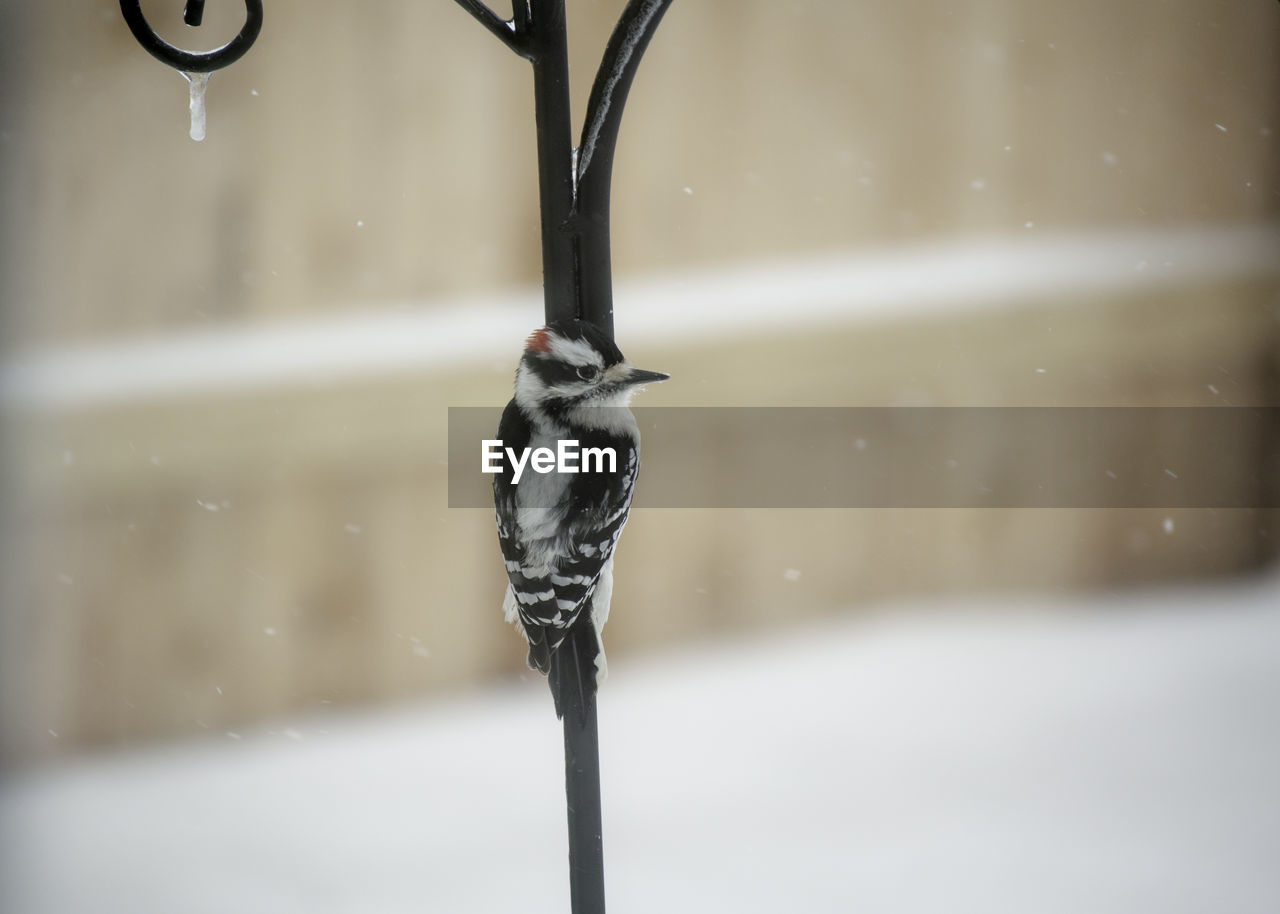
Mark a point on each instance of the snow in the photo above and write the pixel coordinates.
(1023, 755)
(199, 83)
(637, 30)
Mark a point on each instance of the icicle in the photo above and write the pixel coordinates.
(199, 82)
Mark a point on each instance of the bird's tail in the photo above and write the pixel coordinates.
(539, 652)
(573, 669)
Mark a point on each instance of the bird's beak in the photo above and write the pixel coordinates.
(639, 376)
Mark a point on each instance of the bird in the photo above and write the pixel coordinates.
(559, 513)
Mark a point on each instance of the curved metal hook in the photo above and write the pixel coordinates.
(189, 61)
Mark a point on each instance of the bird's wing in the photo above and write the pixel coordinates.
(553, 578)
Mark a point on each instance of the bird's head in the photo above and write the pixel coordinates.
(571, 364)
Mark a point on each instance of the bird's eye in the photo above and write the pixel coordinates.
(588, 372)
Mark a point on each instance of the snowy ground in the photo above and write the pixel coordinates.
(1106, 756)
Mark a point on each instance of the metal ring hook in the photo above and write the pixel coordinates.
(189, 61)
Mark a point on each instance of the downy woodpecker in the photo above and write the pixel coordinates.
(558, 529)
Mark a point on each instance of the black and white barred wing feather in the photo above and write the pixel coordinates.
(557, 540)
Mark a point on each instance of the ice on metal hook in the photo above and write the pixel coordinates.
(199, 82)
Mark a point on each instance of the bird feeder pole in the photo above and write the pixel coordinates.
(573, 189)
(573, 186)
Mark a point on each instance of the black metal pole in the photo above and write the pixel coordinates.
(544, 23)
(577, 283)
(582, 783)
(609, 92)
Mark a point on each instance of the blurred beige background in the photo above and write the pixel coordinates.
(227, 364)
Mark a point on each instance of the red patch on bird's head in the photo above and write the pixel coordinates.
(539, 341)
